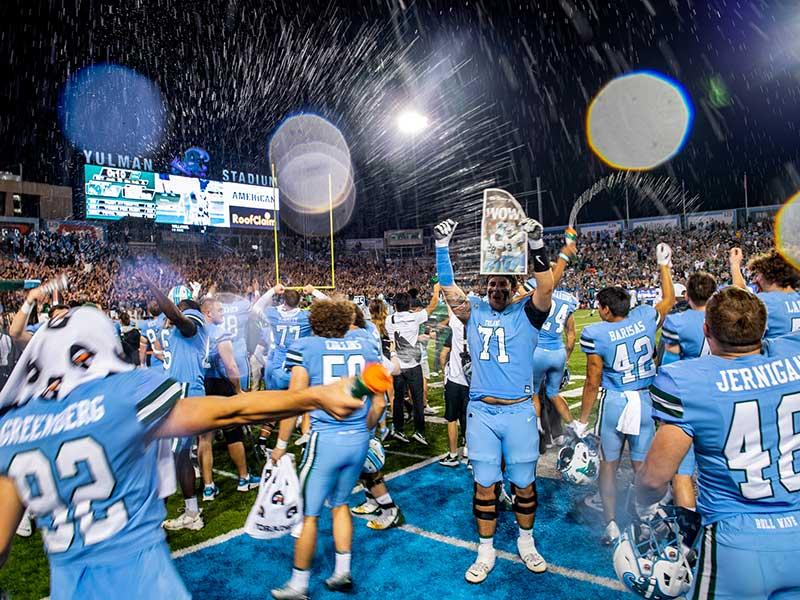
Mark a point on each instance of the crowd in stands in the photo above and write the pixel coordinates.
(105, 272)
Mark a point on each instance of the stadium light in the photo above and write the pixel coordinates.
(411, 122)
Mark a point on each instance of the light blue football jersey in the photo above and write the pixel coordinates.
(685, 329)
(783, 312)
(329, 359)
(236, 318)
(86, 469)
(550, 335)
(185, 358)
(501, 346)
(286, 327)
(744, 417)
(215, 367)
(365, 334)
(151, 329)
(626, 347)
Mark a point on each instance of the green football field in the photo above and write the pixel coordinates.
(25, 575)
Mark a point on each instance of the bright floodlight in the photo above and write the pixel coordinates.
(411, 122)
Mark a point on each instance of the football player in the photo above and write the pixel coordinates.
(777, 282)
(740, 407)
(501, 421)
(183, 340)
(620, 366)
(683, 339)
(150, 352)
(88, 470)
(335, 453)
(222, 379)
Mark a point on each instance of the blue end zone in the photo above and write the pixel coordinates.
(404, 564)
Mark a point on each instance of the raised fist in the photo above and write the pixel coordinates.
(664, 254)
(736, 257)
(533, 228)
(443, 232)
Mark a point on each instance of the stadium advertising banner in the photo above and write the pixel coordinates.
(62, 227)
(610, 227)
(359, 244)
(726, 217)
(656, 222)
(113, 193)
(23, 225)
(397, 238)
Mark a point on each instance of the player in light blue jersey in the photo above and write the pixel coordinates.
(288, 323)
(184, 342)
(684, 339)
(501, 420)
(222, 379)
(740, 407)
(777, 282)
(78, 433)
(335, 453)
(150, 352)
(551, 355)
(237, 313)
(620, 365)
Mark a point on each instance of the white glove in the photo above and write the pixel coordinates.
(443, 232)
(534, 230)
(664, 255)
(578, 428)
(195, 287)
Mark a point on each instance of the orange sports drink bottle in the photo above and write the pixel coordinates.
(374, 379)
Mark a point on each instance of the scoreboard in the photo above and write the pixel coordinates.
(113, 193)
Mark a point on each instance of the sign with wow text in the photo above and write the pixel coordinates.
(503, 243)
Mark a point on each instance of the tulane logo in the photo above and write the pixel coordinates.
(194, 163)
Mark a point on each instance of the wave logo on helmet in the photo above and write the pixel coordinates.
(180, 293)
(579, 460)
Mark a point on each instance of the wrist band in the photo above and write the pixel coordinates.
(281, 444)
(26, 307)
(541, 262)
(564, 257)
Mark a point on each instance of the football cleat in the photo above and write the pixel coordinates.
(210, 493)
(451, 460)
(287, 592)
(187, 520)
(342, 582)
(248, 483)
(419, 438)
(368, 507)
(386, 519)
(480, 569)
(25, 527)
(531, 557)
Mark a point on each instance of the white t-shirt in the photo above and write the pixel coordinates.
(454, 369)
(403, 329)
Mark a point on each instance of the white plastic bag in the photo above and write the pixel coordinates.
(279, 506)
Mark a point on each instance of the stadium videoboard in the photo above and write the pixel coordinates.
(113, 193)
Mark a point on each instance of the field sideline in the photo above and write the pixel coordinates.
(25, 575)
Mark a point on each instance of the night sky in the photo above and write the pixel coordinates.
(505, 85)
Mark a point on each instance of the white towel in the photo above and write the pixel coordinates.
(631, 417)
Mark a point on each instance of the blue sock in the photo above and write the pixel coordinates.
(444, 268)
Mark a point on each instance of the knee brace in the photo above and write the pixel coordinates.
(233, 434)
(485, 510)
(525, 504)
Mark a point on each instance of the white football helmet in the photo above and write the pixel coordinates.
(180, 293)
(376, 457)
(654, 560)
(579, 460)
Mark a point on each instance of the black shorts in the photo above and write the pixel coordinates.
(216, 386)
(456, 397)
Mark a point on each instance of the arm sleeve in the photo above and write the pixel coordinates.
(421, 317)
(156, 396)
(535, 316)
(588, 343)
(294, 355)
(667, 403)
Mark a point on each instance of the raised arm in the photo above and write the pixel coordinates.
(434, 299)
(664, 258)
(266, 300)
(454, 296)
(545, 285)
(17, 328)
(565, 256)
(735, 258)
(310, 290)
(185, 325)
